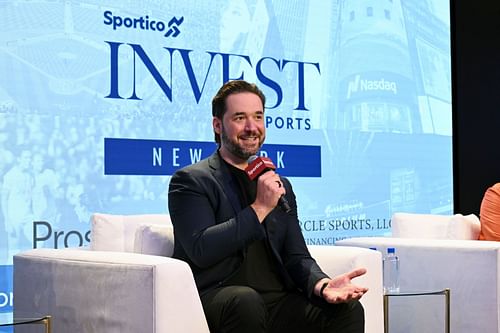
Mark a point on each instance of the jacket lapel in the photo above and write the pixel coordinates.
(223, 176)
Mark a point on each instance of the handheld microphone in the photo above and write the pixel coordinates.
(259, 165)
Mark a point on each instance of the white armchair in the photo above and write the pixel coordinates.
(438, 252)
(126, 281)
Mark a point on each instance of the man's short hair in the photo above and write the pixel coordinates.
(229, 88)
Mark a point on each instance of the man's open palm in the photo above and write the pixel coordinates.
(340, 289)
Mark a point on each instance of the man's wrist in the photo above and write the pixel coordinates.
(322, 289)
(320, 286)
(260, 211)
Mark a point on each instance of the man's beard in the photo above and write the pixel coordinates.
(237, 150)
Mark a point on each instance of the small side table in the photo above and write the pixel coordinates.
(445, 292)
(45, 320)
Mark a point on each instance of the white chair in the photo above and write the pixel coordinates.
(438, 252)
(126, 281)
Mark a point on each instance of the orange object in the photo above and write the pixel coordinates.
(489, 214)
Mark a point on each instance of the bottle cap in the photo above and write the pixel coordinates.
(391, 250)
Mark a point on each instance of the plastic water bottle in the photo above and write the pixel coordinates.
(391, 271)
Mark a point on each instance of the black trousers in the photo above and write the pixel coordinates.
(241, 309)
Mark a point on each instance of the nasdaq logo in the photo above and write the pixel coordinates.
(171, 29)
(365, 85)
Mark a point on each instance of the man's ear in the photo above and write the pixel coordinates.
(217, 125)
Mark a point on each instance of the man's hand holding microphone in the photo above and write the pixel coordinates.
(270, 190)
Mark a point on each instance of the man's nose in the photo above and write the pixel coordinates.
(250, 125)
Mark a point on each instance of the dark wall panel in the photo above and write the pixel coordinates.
(476, 100)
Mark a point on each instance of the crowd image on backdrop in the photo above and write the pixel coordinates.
(52, 170)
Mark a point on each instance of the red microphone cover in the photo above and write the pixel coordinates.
(258, 166)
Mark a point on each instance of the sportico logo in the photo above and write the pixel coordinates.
(171, 29)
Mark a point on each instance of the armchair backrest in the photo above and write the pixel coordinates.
(433, 226)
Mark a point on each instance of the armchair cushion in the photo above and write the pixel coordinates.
(154, 239)
(117, 232)
(430, 226)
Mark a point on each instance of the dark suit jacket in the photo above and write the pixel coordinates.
(212, 230)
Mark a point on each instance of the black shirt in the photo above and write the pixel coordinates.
(258, 269)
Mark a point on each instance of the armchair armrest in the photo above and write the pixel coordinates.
(96, 291)
(470, 268)
(335, 260)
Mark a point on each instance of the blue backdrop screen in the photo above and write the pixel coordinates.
(101, 101)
